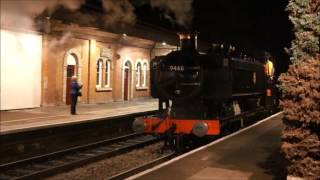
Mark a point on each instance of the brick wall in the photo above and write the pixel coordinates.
(89, 45)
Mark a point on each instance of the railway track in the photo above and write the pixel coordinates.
(30, 143)
(158, 161)
(61, 161)
(143, 167)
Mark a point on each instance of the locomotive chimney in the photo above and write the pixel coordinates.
(188, 41)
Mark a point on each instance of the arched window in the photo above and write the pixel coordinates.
(138, 75)
(107, 74)
(72, 59)
(144, 79)
(127, 65)
(99, 73)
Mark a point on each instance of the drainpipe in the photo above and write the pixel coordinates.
(92, 44)
(44, 56)
(152, 49)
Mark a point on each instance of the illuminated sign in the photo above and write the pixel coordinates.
(106, 52)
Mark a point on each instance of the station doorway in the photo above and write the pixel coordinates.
(126, 81)
(71, 71)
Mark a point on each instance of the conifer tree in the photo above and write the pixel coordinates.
(300, 88)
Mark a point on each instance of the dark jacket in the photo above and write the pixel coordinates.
(75, 88)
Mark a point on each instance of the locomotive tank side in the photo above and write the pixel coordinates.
(248, 77)
(217, 77)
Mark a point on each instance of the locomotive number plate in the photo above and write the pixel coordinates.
(176, 68)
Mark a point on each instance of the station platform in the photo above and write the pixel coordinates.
(251, 153)
(14, 121)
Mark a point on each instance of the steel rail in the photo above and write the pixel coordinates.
(61, 161)
(143, 167)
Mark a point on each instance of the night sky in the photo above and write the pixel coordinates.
(250, 25)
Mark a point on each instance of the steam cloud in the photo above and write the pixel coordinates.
(181, 10)
(121, 12)
(59, 42)
(21, 13)
(118, 13)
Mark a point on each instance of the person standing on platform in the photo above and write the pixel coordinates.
(75, 92)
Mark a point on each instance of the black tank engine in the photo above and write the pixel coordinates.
(199, 93)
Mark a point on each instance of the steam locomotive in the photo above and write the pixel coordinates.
(205, 94)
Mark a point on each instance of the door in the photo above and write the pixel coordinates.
(70, 73)
(126, 85)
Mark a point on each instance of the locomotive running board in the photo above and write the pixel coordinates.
(182, 125)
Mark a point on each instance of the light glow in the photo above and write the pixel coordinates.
(20, 70)
(269, 68)
(71, 60)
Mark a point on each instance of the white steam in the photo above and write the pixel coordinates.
(119, 13)
(181, 10)
(21, 13)
(59, 42)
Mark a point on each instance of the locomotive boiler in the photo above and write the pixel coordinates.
(205, 94)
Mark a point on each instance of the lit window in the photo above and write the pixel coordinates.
(144, 75)
(107, 74)
(138, 75)
(99, 73)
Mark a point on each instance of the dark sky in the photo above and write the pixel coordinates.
(248, 24)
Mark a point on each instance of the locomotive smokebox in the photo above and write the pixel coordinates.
(188, 41)
(200, 129)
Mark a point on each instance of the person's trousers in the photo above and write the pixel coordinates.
(74, 99)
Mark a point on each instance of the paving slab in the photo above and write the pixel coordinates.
(31, 119)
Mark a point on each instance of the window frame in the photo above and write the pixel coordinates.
(141, 75)
(104, 78)
(144, 74)
(107, 74)
(138, 74)
(99, 71)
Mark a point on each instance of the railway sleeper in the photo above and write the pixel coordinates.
(128, 143)
(39, 166)
(13, 173)
(106, 149)
(56, 162)
(71, 158)
(134, 141)
(115, 146)
(86, 154)
(95, 151)
(23, 171)
(6, 176)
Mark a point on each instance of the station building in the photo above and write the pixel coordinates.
(37, 66)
